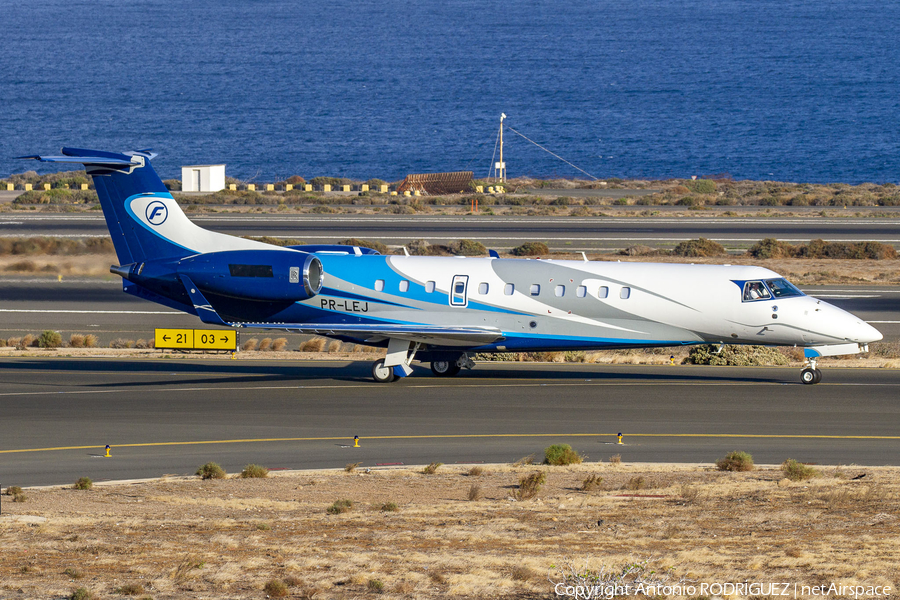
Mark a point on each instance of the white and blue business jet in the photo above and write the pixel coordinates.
(442, 310)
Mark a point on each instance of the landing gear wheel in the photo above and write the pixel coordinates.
(809, 376)
(381, 373)
(444, 368)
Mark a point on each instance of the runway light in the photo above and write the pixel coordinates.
(107, 451)
(356, 441)
(620, 438)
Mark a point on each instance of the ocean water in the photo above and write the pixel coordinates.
(763, 89)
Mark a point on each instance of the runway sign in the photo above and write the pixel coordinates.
(196, 339)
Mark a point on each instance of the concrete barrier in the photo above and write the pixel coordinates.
(84, 186)
(288, 187)
(28, 187)
(46, 187)
(270, 187)
(406, 193)
(251, 187)
(232, 187)
(307, 187)
(384, 189)
(345, 188)
(479, 189)
(326, 187)
(364, 187)
(10, 187)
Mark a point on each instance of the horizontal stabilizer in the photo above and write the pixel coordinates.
(98, 158)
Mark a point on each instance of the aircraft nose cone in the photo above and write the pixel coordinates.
(869, 333)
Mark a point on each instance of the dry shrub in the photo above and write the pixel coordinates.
(525, 460)
(249, 345)
(340, 507)
(254, 472)
(376, 586)
(560, 455)
(76, 340)
(142, 344)
(530, 485)
(50, 339)
(278, 344)
(615, 459)
(476, 471)
(73, 573)
(211, 470)
(635, 483)
(130, 589)
(797, 471)
(91, 341)
(275, 588)
(735, 461)
(390, 507)
(334, 346)
(351, 467)
(474, 492)
(121, 343)
(83, 483)
(689, 494)
(25, 342)
(431, 468)
(522, 573)
(265, 344)
(13, 342)
(591, 482)
(316, 344)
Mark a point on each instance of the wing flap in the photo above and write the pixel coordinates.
(426, 334)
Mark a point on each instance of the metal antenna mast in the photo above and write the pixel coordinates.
(501, 166)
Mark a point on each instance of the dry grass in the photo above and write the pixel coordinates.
(183, 538)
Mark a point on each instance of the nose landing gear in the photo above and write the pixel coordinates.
(810, 374)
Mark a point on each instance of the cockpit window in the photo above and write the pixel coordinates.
(755, 290)
(782, 288)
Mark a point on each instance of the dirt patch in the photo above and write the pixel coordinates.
(186, 538)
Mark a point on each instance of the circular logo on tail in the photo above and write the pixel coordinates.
(156, 213)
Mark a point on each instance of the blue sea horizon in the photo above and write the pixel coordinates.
(769, 90)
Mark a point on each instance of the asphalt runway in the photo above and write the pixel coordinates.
(560, 233)
(168, 416)
(98, 306)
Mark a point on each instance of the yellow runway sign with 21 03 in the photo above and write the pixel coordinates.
(196, 339)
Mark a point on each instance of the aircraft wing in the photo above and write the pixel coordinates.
(426, 334)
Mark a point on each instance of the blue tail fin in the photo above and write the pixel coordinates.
(121, 179)
(145, 222)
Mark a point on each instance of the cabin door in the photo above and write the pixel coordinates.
(458, 290)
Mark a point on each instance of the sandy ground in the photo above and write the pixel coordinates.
(186, 538)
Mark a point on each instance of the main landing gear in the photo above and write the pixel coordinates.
(400, 354)
(811, 374)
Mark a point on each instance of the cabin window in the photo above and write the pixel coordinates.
(782, 288)
(250, 270)
(404, 285)
(603, 292)
(625, 294)
(509, 289)
(755, 290)
(429, 287)
(559, 291)
(535, 289)
(379, 285)
(483, 288)
(581, 291)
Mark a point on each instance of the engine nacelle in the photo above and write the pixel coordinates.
(269, 275)
(263, 275)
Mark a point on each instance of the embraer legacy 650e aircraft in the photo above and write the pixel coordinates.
(442, 310)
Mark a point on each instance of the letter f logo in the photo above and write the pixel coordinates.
(156, 213)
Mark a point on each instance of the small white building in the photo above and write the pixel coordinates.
(202, 178)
